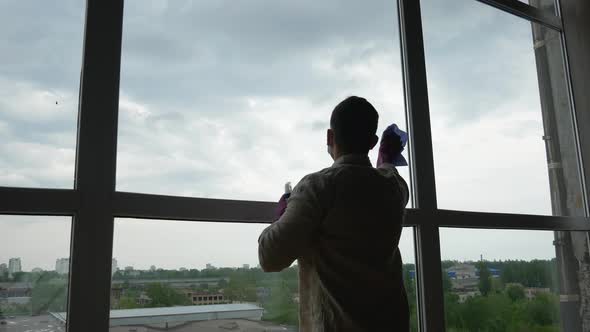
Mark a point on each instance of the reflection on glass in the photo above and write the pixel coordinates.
(232, 99)
(500, 280)
(33, 290)
(204, 277)
(40, 62)
(502, 130)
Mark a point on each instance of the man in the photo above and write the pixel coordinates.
(343, 225)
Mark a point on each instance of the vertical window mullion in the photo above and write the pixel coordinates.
(574, 52)
(92, 233)
(427, 241)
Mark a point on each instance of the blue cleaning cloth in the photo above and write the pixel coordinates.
(393, 132)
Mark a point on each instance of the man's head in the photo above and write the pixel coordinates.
(353, 127)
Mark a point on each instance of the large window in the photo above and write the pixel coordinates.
(503, 141)
(190, 116)
(232, 100)
(502, 130)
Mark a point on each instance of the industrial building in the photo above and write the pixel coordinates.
(173, 317)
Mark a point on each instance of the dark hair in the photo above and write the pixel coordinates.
(354, 122)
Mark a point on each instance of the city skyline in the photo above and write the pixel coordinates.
(141, 261)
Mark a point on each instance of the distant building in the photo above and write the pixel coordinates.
(14, 265)
(462, 271)
(15, 289)
(246, 266)
(464, 278)
(62, 265)
(3, 269)
(463, 296)
(182, 283)
(116, 292)
(204, 298)
(143, 299)
(114, 267)
(128, 268)
(220, 317)
(209, 266)
(494, 272)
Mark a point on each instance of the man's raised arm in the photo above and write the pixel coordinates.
(292, 235)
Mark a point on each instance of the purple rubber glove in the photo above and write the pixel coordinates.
(393, 142)
(282, 206)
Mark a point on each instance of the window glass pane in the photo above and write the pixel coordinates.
(40, 62)
(501, 124)
(504, 280)
(407, 249)
(232, 99)
(196, 266)
(34, 268)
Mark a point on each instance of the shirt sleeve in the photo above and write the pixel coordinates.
(388, 170)
(290, 237)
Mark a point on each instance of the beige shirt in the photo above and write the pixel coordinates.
(343, 225)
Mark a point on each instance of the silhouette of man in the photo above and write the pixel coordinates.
(343, 225)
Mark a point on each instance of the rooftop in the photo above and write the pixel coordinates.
(181, 313)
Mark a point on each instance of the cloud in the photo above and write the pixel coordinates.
(37, 136)
(42, 44)
(478, 62)
(496, 164)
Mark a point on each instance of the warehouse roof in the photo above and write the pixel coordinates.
(177, 311)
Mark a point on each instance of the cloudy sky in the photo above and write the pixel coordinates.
(230, 99)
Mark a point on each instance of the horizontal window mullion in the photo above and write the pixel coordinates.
(38, 201)
(525, 11)
(148, 206)
(485, 220)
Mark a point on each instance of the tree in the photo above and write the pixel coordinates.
(543, 310)
(281, 308)
(485, 282)
(128, 303)
(19, 277)
(515, 292)
(497, 285)
(49, 295)
(410, 286)
(241, 288)
(446, 281)
(222, 283)
(165, 296)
